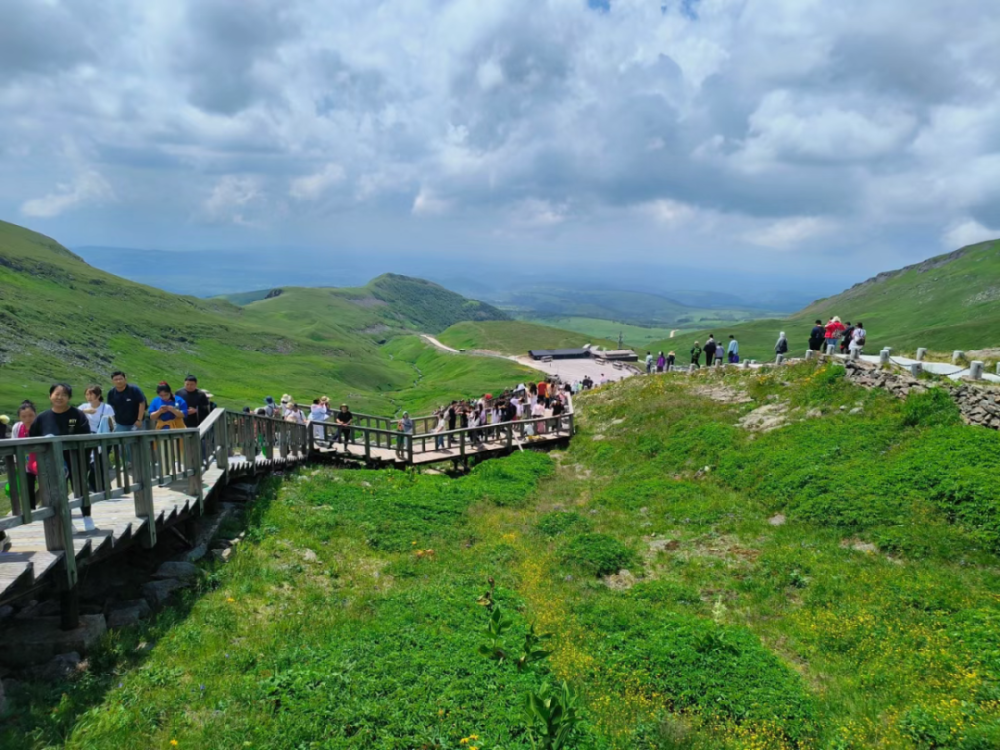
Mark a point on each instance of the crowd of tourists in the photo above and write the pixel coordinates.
(833, 337)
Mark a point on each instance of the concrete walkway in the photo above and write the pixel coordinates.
(567, 370)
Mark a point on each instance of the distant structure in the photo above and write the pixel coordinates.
(621, 341)
(619, 355)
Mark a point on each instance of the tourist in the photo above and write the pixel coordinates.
(26, 415)
(286, 403)
(128, 402)
(858, 339)
(846, 340)
(603, 380)
(318, 414)
(710, 347)
(63, 420)
(269, 406)
(781, 347)
(442, 423)
(405, 429)
(344, 421)
(4, 422)
(197, 402)
(661, 363)
(719, 355)
(696, 355)
(817, 336)
(293, 414)
(543, 388)
(100, 416)
(832, 334)
(733, 350)
(671, 361)
(649, 363)
(167, 409)
(538, 413)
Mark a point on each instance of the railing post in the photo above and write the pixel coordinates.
(286, 438)
(59, 528)
(510, 435)
(269, 440)
(193, 449)
(368, 445)
(142, 470)
(461, 444)
(409, 447)
(222, 451)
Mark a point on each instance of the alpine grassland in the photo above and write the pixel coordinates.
(767, 560)
(514, 337)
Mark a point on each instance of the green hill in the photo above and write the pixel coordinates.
(514, 337)
(944, 303)
(61, 319)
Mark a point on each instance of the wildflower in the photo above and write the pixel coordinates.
(473, 736)
(464, 741)
(230, 600)
(412, 542)
(173, 743)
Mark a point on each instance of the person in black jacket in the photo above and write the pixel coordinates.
(817, 336)
(198, 405)
(710, 347)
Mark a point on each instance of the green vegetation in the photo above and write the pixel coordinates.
(942, 304)
(828, 584)
(61, 319)
(514, 337)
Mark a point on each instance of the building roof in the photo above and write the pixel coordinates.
(539, 353)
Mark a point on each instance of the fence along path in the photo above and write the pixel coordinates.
(137, 485)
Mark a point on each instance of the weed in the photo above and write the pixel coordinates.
(553, 715)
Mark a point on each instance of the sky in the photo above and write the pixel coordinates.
(817, 142)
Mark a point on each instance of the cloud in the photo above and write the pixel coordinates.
(232, 198)
(789, 233)
(968, 232)
(311, 187)
(428, 204)
(772, 122)
(88, 188)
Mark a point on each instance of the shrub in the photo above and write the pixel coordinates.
(599, 554)
(560, 521)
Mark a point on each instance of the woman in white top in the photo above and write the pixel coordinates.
(539, 411)
(97, 411)
(442, 424)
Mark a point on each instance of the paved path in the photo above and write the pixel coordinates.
(567, 370)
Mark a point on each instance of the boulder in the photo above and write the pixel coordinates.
(126, 614)
(185, 571)
(6, 612)
(38, 640)
(157, 593)
(59, 668)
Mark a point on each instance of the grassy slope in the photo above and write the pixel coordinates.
(943, 304)
(61, 319)
(865, 620)
(514, 337)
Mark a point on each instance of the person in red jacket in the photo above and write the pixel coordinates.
(834, 330)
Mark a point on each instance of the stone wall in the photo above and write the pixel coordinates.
(979, 405)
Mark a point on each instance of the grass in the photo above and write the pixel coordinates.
(642, 338)
(826, 585)
(515, 337)
(63, 320)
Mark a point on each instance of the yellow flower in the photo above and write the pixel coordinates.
(464, 741)
(173, 742)
(473, 736)
(473, 747)
(412, 542)
(230, 600)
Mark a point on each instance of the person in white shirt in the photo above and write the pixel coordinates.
(858, 338)
(97, 411)
(318, 413)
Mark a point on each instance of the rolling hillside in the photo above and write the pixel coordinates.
(944, 303)
(514, 337)
(61, 319)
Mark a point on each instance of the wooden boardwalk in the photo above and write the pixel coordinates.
(138, 485)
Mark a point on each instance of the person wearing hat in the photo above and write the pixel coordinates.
(4, 421)
(269, 406)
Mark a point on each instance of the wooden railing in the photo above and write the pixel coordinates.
(425, 440)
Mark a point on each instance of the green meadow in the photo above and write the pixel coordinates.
(828, 584)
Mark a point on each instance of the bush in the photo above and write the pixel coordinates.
(599, 554)
(560, 521)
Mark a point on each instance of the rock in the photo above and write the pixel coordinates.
(157, 593)
(59, 668)
(814, 414)
(777, 520)
(197, 553)
(47, 608)
(6, 612)
(309, 556)
(38, 640)
(126, 614)
(856, 410)
(183, 570)
(620, 581)
(664, 545)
